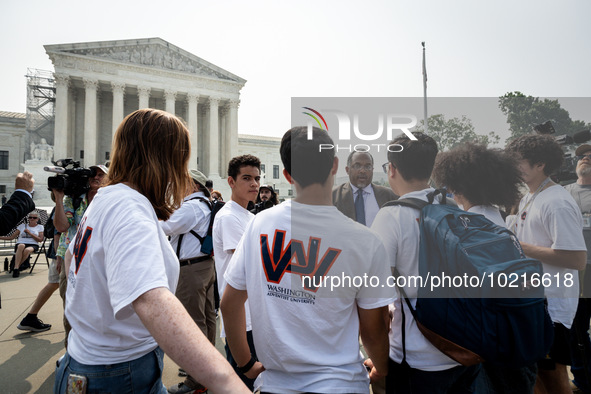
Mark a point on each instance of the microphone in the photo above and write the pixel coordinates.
(582, 136)
(54, 169)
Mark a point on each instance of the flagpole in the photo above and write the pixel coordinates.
(425, 90)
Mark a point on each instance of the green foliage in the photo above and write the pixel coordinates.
(380, 182)
(455, 131)
(523, 112)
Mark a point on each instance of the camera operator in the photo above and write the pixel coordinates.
(68, 213)
(266, 198)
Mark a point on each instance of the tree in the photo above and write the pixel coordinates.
(524, 112)
(451, 132)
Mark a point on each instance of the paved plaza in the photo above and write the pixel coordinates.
(27, 359)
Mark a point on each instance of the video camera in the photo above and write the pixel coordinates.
(71, 178)
(567, 173)
(261, 206)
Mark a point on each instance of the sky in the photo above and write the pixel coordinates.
(327, 48)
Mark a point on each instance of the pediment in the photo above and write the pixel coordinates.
(150, 52)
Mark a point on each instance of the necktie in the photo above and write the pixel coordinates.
(360, 207)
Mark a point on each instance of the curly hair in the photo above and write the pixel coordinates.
(242, 161)
(537, 149)
(482, 176)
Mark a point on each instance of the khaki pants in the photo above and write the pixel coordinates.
(195, 291)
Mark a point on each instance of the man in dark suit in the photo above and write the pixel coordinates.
(359, 198)
(20, 203)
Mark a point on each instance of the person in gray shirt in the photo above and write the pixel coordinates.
(580, 342)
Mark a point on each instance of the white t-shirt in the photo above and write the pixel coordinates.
(228, 227)
(24, 238)
(399, 228)
(120, 253)
(193, 214)
(554, 220)
(582, 196)
(489, 212)
(308, 340)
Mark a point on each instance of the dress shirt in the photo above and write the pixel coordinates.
(371, 204)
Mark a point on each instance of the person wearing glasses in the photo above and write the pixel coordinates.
(31, 322)
(360, 199)
(580, 344)
(29, 235)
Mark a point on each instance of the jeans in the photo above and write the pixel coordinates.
(406, 380)
(142, 375)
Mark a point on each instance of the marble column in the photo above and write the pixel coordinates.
(118, 92)
(90, 122)
(214, 157)
(170, 97)
(74, 93)
(232, 135)
(203, 148)
(143, 93)
(223, 121)
(192, 101)
(61, 139)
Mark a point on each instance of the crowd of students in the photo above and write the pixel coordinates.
(284, 334)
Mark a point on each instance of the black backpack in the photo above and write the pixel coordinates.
(207, 240)
(49, 228)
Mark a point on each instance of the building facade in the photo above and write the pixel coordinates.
(99, 83)
(12, 149)
(96, 84)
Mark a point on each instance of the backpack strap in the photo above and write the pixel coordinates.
(204, 200)
(412, 311)
(419, 204)
(410, 202)
(178, 245)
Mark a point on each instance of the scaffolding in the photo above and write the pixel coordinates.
(40, 107)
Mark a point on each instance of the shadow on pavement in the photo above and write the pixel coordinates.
(34, 354)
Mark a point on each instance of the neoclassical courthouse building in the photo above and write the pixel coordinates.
(96, 84)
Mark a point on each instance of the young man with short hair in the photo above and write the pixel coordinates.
(306, 333)
(420, 367)
(244, 176)
(549, 226)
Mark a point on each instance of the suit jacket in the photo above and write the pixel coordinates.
(19, 205)
(342, 198)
